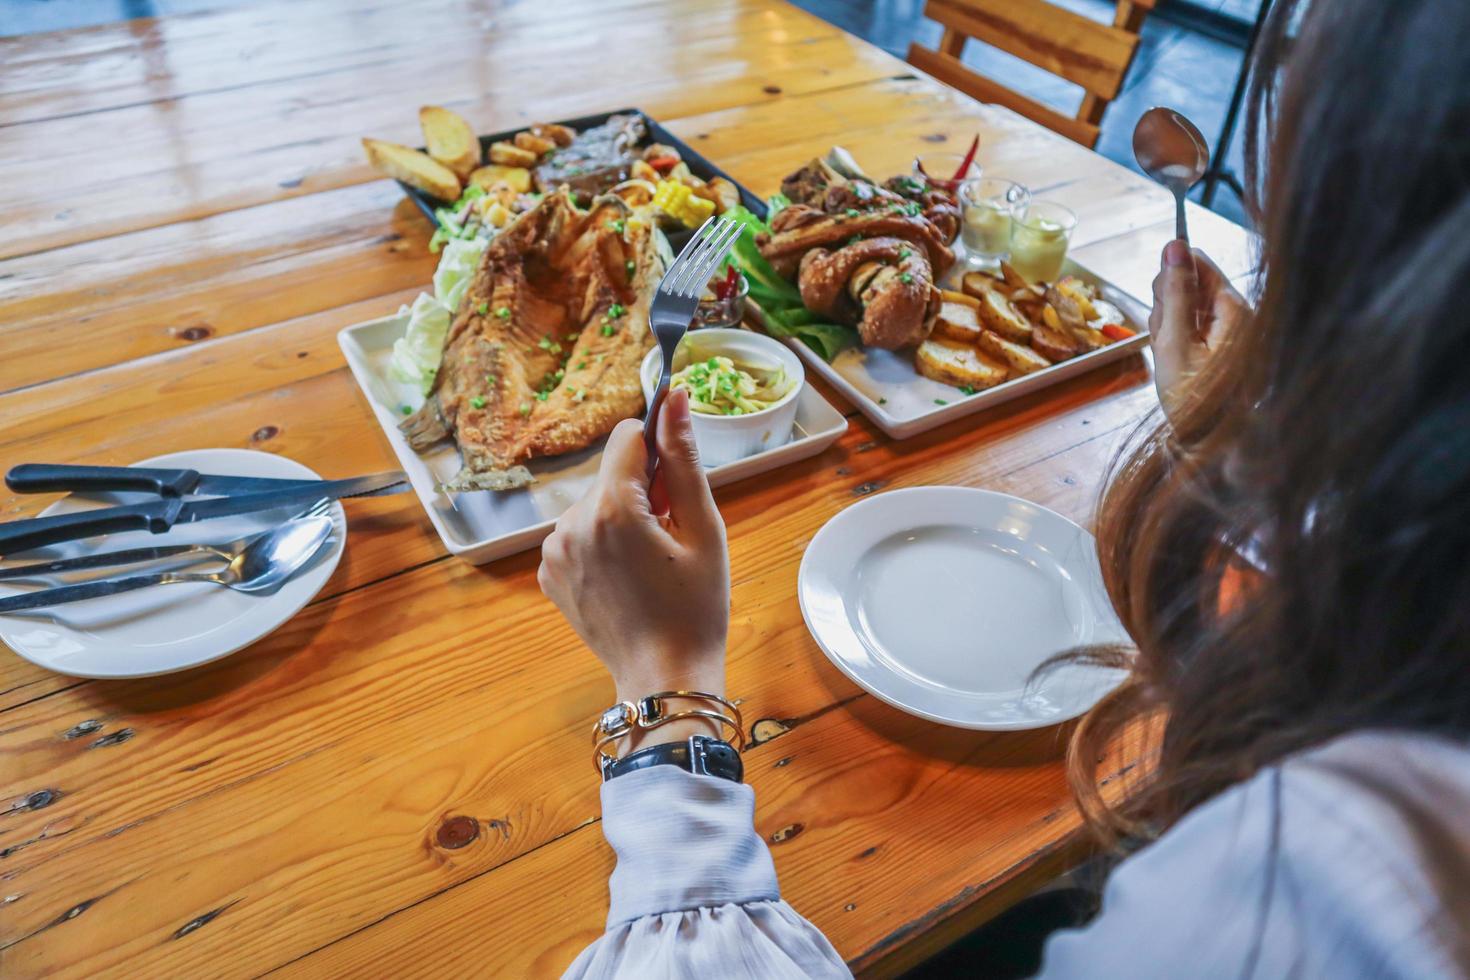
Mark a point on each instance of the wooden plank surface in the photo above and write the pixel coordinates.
(279, 809)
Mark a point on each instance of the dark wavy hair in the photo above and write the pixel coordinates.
(1332, 430)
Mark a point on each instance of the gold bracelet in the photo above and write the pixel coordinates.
(650, 712)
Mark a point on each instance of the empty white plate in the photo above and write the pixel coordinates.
(942, 601)
(170, 627)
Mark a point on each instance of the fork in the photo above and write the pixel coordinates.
(225, 552)
(673, 308)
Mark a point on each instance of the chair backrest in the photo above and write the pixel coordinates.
(1095, 56)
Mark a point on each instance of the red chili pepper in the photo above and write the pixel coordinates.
(969, 159)
(728, 286)
(1116, 331)
(663, 164)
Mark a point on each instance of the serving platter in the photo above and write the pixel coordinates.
(885, 386)
(698, 164)
(483, 526)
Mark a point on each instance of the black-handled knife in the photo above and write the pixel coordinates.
(160, 515)
(52, 477)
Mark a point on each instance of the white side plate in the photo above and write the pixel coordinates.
(170, 627)
(941, 601)
(485, 525)
(887, 389)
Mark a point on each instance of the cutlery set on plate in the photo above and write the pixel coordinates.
(259, 562)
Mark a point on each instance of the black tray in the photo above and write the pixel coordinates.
(698, 165)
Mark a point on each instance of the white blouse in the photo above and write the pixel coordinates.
(1371, 878)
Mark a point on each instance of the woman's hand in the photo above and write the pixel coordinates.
(642, 572)
(1194, 308)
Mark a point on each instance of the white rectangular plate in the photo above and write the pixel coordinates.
(485, 525)
(887, 389)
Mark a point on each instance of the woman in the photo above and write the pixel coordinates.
(1311, 800)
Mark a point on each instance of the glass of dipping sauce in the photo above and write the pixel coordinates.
(987, 206)
(1040, 232)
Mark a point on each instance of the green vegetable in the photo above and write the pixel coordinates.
(882, 401)
(607, 330)
(618, 226)
(967, 389)
(525, 408)
(416, 354)
(405, 409)
(477, 402)
(775, 204)
(718, 386)
(940, 401)
(766, 286)
(503, 313)
(484, 308)
(827, 339)
(456, 269)
(852, 212)
(616, 309)
(544, 343)
(907, 277)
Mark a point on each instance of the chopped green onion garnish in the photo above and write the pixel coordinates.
(852, 212)
(632, 267)
(544, 343)
(617, 309)
(967, 389)
(940, 401)
(477, 402)
(484, 308)
(580, 366)
(525, 408)
(405, 409)
(907, 277)
(607, 331)
(617, 226)
(503, 313)
(882, 401)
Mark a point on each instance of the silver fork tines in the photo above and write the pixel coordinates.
(674, 306)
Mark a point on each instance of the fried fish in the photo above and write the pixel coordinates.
(543, 355)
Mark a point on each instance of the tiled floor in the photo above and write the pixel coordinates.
(1192, 73)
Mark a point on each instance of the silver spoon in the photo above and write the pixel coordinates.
(264, 564)
(1171, 150)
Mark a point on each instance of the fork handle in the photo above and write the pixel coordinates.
(650, 424)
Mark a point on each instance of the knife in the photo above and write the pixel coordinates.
(159, 516)
(49, 477)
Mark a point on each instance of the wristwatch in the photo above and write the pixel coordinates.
(699, 754)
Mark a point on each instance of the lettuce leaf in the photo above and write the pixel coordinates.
(416, 354)
(456, 268)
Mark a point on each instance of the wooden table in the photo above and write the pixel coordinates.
(396, 782)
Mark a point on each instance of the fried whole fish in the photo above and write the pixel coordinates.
(543, 355)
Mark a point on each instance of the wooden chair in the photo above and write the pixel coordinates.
(1095, 56)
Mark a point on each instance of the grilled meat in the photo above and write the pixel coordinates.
(800, 228)
(883, 286)
(543, 355)
(595, 160)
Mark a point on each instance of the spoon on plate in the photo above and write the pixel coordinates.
(1171, 150)
(261, 566)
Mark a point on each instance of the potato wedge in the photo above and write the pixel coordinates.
(1053, 344)
(519, 178)
(961, 365)
(727, 195)
(556, 132)
(950, 296)
(977, 284)
(1013, 278)
(1001, 316)
(450, 139)
(530, 141)
(510, 155)
(1018, 357)
(957, 321)
(414, 168)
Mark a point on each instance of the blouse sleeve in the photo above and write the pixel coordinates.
(694, 893)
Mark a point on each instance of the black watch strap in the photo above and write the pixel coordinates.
(699, 754)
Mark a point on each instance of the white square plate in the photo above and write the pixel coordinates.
(485, 525)
(887, 389)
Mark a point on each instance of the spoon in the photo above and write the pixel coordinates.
(262, 566)
(1171, 150)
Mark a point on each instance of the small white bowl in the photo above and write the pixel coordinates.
(725, 438)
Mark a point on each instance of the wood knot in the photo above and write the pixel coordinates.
(771, 89)
(843, 471)
(863, 489)
(767, 729)
(116, 738)
(934, 138)
(38, 800)
(786, 833)
(849, 906)
(82, 728)
(195, 333)
(456, 832)
(264, 432)
(867, 447)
